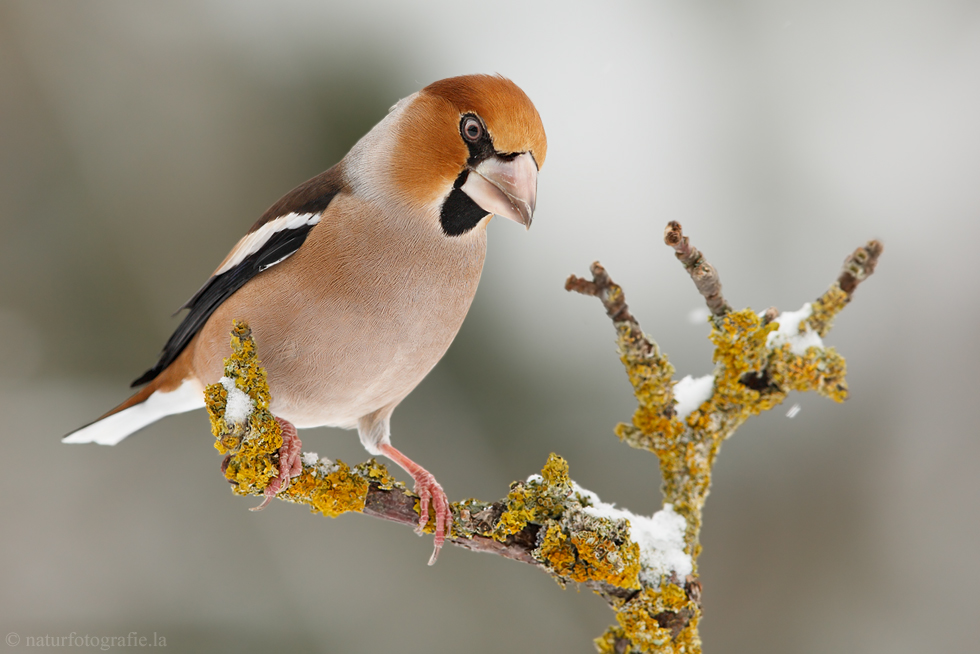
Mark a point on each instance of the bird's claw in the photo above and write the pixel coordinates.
(290, 463)
(429, 491)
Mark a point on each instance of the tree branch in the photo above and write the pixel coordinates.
(645, 568)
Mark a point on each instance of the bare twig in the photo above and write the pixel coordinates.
(614, 300)
(859, 266)
(602, 287)
(703, 273)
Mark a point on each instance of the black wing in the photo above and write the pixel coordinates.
(311, 197)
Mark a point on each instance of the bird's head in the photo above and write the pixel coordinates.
(471, 145)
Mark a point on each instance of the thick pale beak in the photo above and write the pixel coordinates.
(506, 188)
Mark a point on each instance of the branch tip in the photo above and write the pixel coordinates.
(860, 265)
(580, 285)
(608, 292)
(705, 277)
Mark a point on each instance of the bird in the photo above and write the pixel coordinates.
(356, 282)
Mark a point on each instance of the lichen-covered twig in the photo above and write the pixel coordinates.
(759, 358)
(858, 266)
(611, 295)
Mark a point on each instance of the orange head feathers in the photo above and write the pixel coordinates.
(475, 144)
(510, 116)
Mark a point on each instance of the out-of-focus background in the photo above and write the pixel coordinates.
(139, 140)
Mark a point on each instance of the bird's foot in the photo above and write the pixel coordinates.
(429, 492)
(290, 463)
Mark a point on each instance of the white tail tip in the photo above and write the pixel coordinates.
(112, 429)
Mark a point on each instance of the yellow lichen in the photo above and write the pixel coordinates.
(557, 552)
(602, 559)
(254, 465)
(252, 448)
(608, 641)
(378, 474)
(650, 374)
(535, 500)
(589, 556)
(826, 307)
(750, 377)
(820, 369)
(573, 543)
(638, 622)
(338, 491)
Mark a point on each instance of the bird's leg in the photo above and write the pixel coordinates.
(428, 489)
(290, 462)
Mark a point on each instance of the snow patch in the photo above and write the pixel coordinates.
(789, 331)
(660, 537)
(691, 393)
(239, 405)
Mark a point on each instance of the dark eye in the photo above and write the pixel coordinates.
(471, 129)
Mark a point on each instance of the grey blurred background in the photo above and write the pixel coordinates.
(139, 140)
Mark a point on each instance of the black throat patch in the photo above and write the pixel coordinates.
(459, 212)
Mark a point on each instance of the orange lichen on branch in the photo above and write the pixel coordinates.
(538, 500)
(243, 427)
(585, 548)
(826, 307)
(575, 546)
(658, 621)
(649, 371)
(651, 375)
(328, 491)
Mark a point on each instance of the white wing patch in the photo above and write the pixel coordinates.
(252, 243)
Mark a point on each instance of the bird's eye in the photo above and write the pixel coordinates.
(471, 129)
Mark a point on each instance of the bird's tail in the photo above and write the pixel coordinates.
(147, 406)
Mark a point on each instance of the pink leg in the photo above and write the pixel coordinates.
(428, 489)
(290, 463)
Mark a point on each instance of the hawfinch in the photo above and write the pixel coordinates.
(356, 282)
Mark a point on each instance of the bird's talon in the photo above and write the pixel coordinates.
(290, 463)
(428, 490)
(435, 555)
(268, 497)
